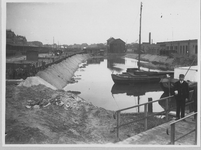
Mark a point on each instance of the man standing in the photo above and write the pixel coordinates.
(181, 91)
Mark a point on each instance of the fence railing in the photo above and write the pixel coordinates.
(172, 125)
(145, 113)
(166, 111)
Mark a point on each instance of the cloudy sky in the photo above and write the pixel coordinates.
(95, 21)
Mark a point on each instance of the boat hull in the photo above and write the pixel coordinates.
(128, 79)
(136, 71)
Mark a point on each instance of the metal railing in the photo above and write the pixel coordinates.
(145, 113)
(166, 111)
(172, 125)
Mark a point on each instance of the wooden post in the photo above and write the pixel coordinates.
(138, 99)
(166, 109)
(118, 123)
(145, 115)
(150, 106)
(195, 129)
(172, 137)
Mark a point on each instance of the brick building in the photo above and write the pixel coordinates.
(184, 47)
(115, 46)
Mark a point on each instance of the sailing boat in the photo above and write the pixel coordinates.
(135, 75)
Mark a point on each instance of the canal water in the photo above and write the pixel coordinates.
(94, 83)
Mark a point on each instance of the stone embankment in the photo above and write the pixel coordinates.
(164, 62)
(152, 58)
(154, 61)
(57, 76)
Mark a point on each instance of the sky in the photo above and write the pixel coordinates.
(95, 21)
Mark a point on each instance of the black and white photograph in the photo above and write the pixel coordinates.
(98, 74)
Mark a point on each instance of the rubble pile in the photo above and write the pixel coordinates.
(65, 99)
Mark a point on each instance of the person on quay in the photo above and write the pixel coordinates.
(181, 90)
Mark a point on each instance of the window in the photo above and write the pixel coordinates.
(171, 48)
(196, 49)
(183, 49)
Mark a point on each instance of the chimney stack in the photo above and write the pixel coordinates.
(149, 37)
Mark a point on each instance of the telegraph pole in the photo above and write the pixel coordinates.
(140, 37)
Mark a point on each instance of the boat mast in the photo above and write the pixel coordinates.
(139, 51)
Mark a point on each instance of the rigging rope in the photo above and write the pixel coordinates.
(115, 101)
(190, 66)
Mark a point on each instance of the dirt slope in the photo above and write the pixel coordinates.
(40, 115)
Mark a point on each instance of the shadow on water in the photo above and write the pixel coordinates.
(135, 89)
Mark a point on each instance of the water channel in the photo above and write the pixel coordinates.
(94, 83)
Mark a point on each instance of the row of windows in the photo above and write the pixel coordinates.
(183, 49)
(175, 47)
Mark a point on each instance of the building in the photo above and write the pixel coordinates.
(32, 55)
(184, 47)
(148, 48)
(92, 50)
(115, 46)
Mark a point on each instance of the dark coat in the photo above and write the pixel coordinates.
(183, 90)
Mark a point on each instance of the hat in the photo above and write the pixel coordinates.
(181, 75)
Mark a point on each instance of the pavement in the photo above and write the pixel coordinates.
(160, 135)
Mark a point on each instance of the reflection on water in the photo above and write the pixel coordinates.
(95, 60)
(94, 83)
(113, 64)
(135, 89)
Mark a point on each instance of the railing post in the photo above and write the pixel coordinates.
(195, 128)
(145, 115)
(150, 105)
(172, 136)
(166, 108)
(118, 123)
